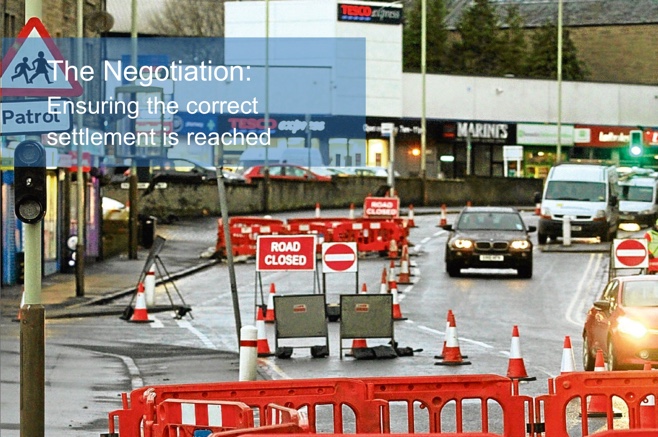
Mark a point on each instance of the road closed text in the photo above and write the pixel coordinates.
(285, 253)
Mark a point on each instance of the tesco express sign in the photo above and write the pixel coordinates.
(285, 253)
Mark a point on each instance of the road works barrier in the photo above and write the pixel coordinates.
(370, 234)
(460, 405)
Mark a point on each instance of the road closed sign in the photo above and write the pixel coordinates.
(388, 207)
(285, 253)
(631, 253)
(339, 257)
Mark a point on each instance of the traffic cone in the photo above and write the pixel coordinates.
(404, 276)
(392, 249)
(597, 406)
(269, 316)
(410, 217)
(391, 274)
(568, 362)
(469, 203)
(351, 211)
(360, 343)
(20, 308)
(383, 288)
(397, 312)
(149, 287)
(538, 208)
(443, 351)
(317, 210)
(140, 314)
(444, 219)
(263, 348)
(516, 366)
(452, 356)
(648, 410)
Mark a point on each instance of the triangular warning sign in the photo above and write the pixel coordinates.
(28, 70)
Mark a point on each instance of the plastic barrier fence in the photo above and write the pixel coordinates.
(463, 405)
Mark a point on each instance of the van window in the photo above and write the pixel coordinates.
(636, 194)
(571, 190)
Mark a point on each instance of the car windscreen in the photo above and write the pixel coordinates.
(640, 294)
(636, 194)
(499, 221)
(575, 190)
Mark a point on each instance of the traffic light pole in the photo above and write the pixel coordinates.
(32, 339)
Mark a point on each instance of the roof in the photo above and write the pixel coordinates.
(574, 12)
(507, 209)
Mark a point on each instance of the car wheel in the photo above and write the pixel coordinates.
(453, 270)
(588, 359)
(542, 238)
(525, 271)
(611, 360)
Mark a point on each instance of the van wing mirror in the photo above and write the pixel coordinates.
(532, 228)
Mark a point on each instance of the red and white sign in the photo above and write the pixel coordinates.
(34, 66)
(631, 253)
(381, 207)
(281, 253)
(339, 257)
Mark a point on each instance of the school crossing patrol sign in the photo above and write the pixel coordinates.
(29, 68)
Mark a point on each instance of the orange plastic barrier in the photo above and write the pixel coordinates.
(244, 232)
(182, 417)
(628, 388)
(278, 419)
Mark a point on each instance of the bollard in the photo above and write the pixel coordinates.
(566, 230)
(248, 353)
(149, 287)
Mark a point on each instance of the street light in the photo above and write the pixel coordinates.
(558, 158)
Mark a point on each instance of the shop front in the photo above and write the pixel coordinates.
(540, 144)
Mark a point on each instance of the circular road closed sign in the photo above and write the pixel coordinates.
(339, 257)
(631, 254)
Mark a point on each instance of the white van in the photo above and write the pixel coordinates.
(587, 193)
(638, 197)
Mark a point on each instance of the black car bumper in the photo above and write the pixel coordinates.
(479, 260)
(578, 228)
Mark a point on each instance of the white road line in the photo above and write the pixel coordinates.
(157, 323)
(187, 325)
(136, 380)
(593, 266)
(465, 340)
(425, 240)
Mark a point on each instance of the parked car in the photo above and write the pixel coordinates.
(187, 170)
(623, 323)
(490, 238)
(286, 172)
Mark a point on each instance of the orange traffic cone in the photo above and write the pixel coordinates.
(269, 316)
(140, 314)
(360, 343)
(410, 217)
(397, 312)
(444, 219)
(516, 366)
(469, 203)
(391, 274)
(392, 249)
(443, 351)
(383, 287)
(351, 216)
(404, 276)
(263, 348)
(20, 308)
(452, 356)
(598, 404)
(538, 208)
(648, 410)
(568, 362)
(317, 210)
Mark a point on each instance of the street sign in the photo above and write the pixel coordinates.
(22, 117)
(631, 253)
(387, 129)
(285, 253)
(339, 257)
(381, 207)
(29, 70)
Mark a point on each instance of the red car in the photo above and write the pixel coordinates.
(285, 171)
(623, 323)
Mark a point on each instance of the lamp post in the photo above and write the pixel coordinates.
(558, 158)
(423, 119)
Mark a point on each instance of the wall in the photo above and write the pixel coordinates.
(185, 200)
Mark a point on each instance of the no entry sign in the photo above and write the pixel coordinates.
(285, 253)
(631, 253)
(339, 257)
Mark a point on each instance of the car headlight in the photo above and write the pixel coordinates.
(600, 214)
(461, 244)
(631, 327)
(520, 244)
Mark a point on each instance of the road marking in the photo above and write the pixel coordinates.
(574, 314)
(157, 323)
(136, 380)
(465, 340)
(187, 325)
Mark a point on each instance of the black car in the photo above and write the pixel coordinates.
(489, 238)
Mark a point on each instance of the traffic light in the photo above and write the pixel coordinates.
(635, 146)
(30, 181)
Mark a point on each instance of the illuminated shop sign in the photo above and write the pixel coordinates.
(369, 14)
(480, 132)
